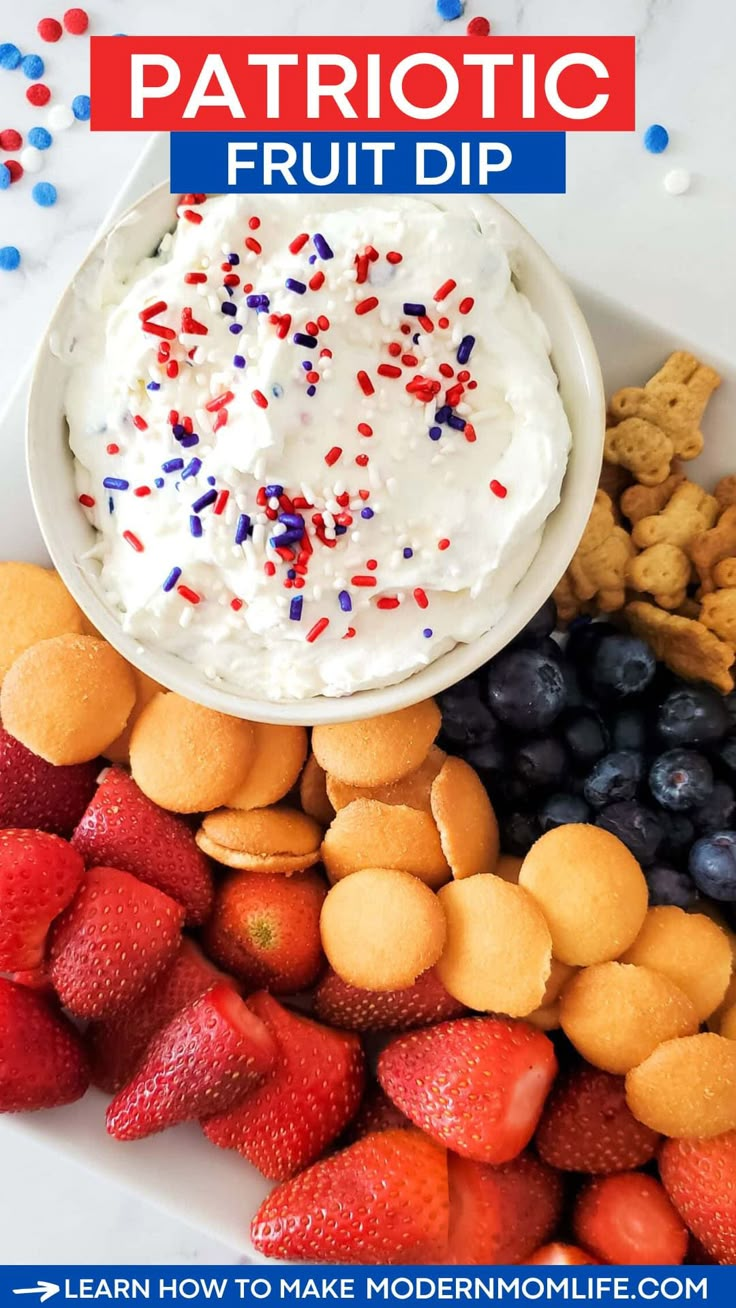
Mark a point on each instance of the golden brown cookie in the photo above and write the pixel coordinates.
(498, 953)
(597, 571)
(660, 421)
(118, 751)
(664, 571)
(547, 1018)
(508, 868)
(590, 889)
(724, 574)
(718, 614)
(614, 481)
(188, 758)
(686, 1087)
(377, 751)
(279, 758)
(369, 834)
(560, 974)
(412, 790)
(615, 1014)
(261, 839)
(35, 605)
(639, 502)
(313, 795)
(728, 1024)
(725, 492)
(67, 698)
(465, 820)
(689, 949)
(381, 929)
(685, 645)
(690, 511)
(711, 547)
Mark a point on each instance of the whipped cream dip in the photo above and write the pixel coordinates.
(319, 437)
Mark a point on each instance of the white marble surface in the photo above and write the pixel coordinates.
(670, 259)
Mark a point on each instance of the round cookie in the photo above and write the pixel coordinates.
(560, 974)
(381, 929)
(591, 890)
(498, 953)
(67, 698)
(377, 751)
(118, 751)
(369, 834)
(188, 758)
(413, 790)
(716, 1018)
(465, 820)
(615, 1014)
(686, 1087)
(261, 839)
(688, 948)
(279, 758)
(546, 1018)
(35, 605)
(728, 1023)
(313, 795)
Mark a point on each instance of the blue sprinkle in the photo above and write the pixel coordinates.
(456, 422)
(81, 108)
(292, 520)
(159, 482)
(295, 608)
(408, 553)
(153, 386)
(449, 9)
(115, 483)
(366, 513)
(435, 433)
(228, 308)
(233, 259)
(292, 285)
(340, 530)
(273, 491)
(656, 139)
(287, 537)
(311, 390)
(172, 465)
(178, 431)
(172, 579)
(277, 390)
(307, 365)
(465, 349)
(301, 338)
(291, 574)
(33, 67)
(44, 194)
(195, 525)
(415, 338)
(238, 361)
(40, 138)
(230, 290)
(188, 441)
(211, 481)
(204, 501)
(321, 246)
(427, 632)
(443, 413)
(415, 310)
(192, 468)
(346, 604)
(254, 301)
(242, 528)
(312, 258)
(236, 328)
(10, 56)
(5, 178)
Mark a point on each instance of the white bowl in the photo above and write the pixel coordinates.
(69, 536)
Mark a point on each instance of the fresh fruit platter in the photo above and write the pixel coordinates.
(460, 980)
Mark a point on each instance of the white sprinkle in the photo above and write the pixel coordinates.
(677, 181)
(31, 159)
(60, 117)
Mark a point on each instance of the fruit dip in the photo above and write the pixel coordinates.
(319, 440)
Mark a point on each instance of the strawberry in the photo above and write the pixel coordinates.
(500, 1214)
(376, 1113)
(211, 1054)
(39, 875)
(628, 1219)
(265, 929)
(560, 1255)
(382, 1200)
(122, 828)
(313, 1091)
(34, 793)
(42, 1059)
(587, 1126)
(340, 1004)
(117, 1046)
(114, 939)
(477, 1085)
(700, 1179)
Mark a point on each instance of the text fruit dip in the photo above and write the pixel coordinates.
(319, 437)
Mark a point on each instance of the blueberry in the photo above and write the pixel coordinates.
(526, 689)
(667, 885)
(466, 720)
(574, 696)
(681, 779)
(584, 636)
(726, 756)
(729, 703)
(628, 730)
(637, 826)
(692, 715)
(540, 762)
(716, 814)
(519, 831)
(614, 777)
(713, 865)
(549, 647)
(542, 624)
(619, 666)
(489, 760)
(679, 834)
(584, 734)
(561, 810)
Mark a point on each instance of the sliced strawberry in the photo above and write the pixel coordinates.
(265, 929)
(382, 1200)
(313, 1091)
(700, 1179)
(628, 1219)
(211, 1054)
(115, 938)
(427, 1001)
(39, 875)
(42, 1059)
(560, 1255)
(477, 1085)
(34, 793)
(117, 1046)
(122, 828)
(376, 1113)
(587, 1126)
(501, 1214)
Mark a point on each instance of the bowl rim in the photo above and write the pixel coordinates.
(176, 674)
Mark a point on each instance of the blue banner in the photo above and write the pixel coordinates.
(450, 162)
(23, 1287)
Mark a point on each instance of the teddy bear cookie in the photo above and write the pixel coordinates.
(653, 424)
(598, 569)
(685, 644)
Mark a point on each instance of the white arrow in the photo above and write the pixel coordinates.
(45, 1290)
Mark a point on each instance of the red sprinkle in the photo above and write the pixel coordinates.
(349, 633)
(49, 29)
(219, 505)
(140, 423)
(133, 541)
(365, 429)
(113, 449)
(172, 368)
(15, 169)
(323, 323)
(213, 405)
(299, 242)
(446, 370)
(333, 455)
(194, 278)
(362, 460)
(388, 370)
(38, 94)
(463, 376)
(325, 354)
(479, 27)
(164, 350)
(443, 323)
(361, 268)
(371, 564)
(313, 378)
(372, 253)
(259, 398)
(394, 349)
(499, 489)
(393, 256)
(361, 580)
(236, 605)
(152, 311)
(421, 598)
(192, 217)
(426, 323)
(10, 139)
(220, 420)
(76, 21)
(469, 433)
(445, 289)
(284, 325)
(317, 629)
(366, 306)
(155, 329)
(388, 602)
(190, 595)
(253, 245)
(254, 223)
(365, 383)
(316, 281)
(231, 279)
(409, 360)
(443, 544)
(466, 305)
(344, 498)
(269, 568)
(454, 394)
(87, 501)
(142, 491)
(190, 325)
(364, 494)
(312, 328)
